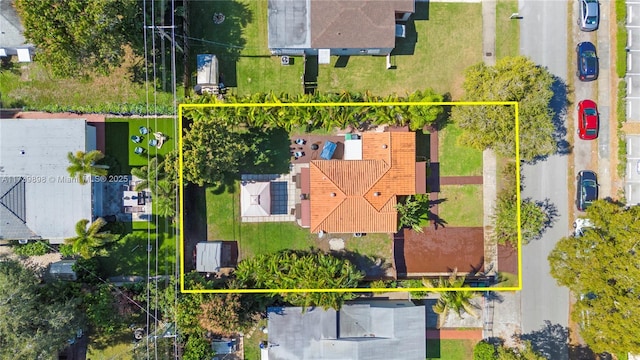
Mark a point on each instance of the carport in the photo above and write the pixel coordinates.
(632, 180)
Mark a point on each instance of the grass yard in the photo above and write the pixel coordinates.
(445, 349)
(443, 49)
(376, 245)
(223, 223)
(31, 85)
(118, 144)
(116, 346)
(507, 29)
(455, 159)
(240, 43)
(463, 205)
(129, 255)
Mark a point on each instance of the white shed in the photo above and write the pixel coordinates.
(209, 256)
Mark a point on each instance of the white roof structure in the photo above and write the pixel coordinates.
(255, 199)
(38, 199)
(208, 256)
(353, 149)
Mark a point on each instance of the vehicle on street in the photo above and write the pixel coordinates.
(589, 15)
(588, 120)
(587, 189)
(587, 61)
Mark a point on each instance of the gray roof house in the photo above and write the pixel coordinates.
(12, 41)
(38, 199)
(335, 27)
(372, 330)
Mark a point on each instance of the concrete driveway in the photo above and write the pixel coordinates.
(632, 180)
(633, 61)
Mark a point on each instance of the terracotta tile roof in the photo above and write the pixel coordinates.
(360, 195)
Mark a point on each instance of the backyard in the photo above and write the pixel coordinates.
(447, 349)
(461, 206)
(223, 223)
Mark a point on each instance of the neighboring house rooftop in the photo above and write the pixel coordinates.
(373, 330)
(10, 26)
(37, 197)
(359, 196)
(300, 24)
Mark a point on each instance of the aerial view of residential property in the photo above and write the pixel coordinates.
(319, 179)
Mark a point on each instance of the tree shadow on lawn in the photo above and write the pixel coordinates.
(372, 267)
(225, 40)
(270, 152)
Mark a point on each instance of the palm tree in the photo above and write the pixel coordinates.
(88, 240)
(165, 199)
(147, 174)
(459, 301)
(83, 164)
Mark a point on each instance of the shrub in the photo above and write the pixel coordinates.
(32, 248)
(484, 351)
(621, 42)
(621, 114)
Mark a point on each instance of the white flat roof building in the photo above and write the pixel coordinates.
(38, 199)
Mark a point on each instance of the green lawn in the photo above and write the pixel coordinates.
(455, 159)
(443, 49)
(376, 245)
(31, 85)
(462, 205)
(240, 44)
(129, 255)
(507, 29)
(116, 346)
(118, 144)
(223, 219)
(445, 349)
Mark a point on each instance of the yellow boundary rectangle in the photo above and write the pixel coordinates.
(350, 290)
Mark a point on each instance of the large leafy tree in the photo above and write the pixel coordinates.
(82, 164)
(221, 314)
(76, 36)
(212, 151)
(413, 212)
(456, 301)
(89, 241)
(602, 269)
(511, 79)
(34, 322)
(301, 270)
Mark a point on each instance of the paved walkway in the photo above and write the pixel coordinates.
(473, 334)
(489, 32)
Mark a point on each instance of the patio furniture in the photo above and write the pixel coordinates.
(153, 142)
(314, 147)
(298, 154)
(301, 141)
(136, 139)
(138, 150)
(328, 150)
(143, 130)
(161, 139)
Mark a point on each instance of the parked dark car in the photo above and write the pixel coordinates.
(588, 120)
(589, 15)
(587, 61)
(587, 189)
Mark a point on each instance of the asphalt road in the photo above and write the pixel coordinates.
(545, 305)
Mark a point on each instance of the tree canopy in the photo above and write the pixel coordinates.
(34, 323)
(89, 241)
(301, 270)
(456, 301)
(601, 267)
(76, 36)
(82, 164)
(511, 79)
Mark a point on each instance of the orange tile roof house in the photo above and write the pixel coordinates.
(359, 196)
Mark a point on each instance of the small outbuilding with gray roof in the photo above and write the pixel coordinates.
(377, 329)
(38, 199)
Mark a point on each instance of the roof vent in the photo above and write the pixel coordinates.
(384, 146)
(22, 152)
(333, 194)
(376, 193)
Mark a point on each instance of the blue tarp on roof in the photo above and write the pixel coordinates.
(328, 150)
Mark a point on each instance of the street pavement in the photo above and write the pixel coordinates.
(545, 305)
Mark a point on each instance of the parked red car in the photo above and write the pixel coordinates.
(588, 120)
